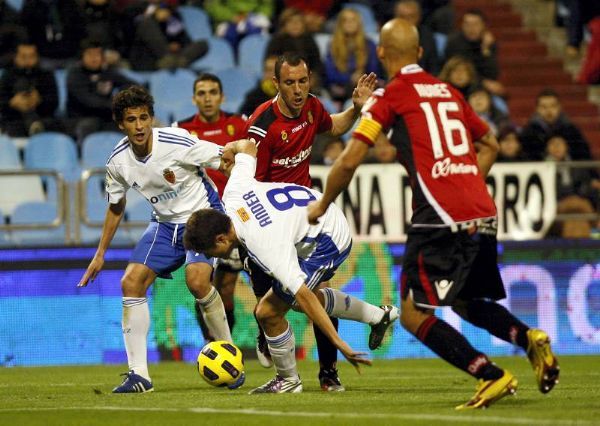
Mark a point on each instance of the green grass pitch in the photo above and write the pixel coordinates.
(419, 392)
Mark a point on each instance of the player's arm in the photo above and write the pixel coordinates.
(487, 148)
(343, 121)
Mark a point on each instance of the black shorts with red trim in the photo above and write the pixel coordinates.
(441, 266)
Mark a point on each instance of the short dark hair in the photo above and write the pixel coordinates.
(476, 12)
(202, 228)
(90, 43)
(131, 97)
(292, 58)
(546, 93)
(208, 77)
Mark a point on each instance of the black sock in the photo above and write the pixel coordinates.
(327, 351)
(230, 318)
(496, 319)
(452, 347)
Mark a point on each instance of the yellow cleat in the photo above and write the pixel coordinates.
(490, 391)
(543, 361)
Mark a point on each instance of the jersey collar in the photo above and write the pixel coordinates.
(411, 69)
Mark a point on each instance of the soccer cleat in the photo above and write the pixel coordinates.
(490, 391)
(279, 385)
(134, 383)
(543, 361)
(330, 381)
(390, 314)
(262, 351)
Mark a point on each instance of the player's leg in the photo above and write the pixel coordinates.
(270, 313)
(328, 375)
(198, 273)
(224, 280)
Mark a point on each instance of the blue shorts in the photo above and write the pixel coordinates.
(161, 249)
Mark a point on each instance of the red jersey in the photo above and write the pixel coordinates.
(229, 127)
(433, 129)
(285, 144)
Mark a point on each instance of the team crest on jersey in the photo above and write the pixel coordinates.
(169, 175)
(243, 214)
(230, 129)
(310, 117)
(193, 133)
(283, 135)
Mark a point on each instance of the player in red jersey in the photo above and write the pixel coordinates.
(284, 130)
(214, 125)
(451, 257)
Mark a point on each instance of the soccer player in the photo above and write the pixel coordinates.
(268, 221)
(217, 126)
(166, 166)
(284, 129)
(451, 253)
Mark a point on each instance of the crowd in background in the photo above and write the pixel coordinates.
(93, 40)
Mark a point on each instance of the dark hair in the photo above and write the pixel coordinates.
(208, 77)
(292, 58)
(131, 97)
(202, 228)
(476, 12)
(547, 92)
(90, 43)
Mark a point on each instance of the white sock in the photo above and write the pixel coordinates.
(136, 323)
(342, 305)
(214, 316)
(283, 354)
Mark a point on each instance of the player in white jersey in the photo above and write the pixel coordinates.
(166, 166)
(268, 221)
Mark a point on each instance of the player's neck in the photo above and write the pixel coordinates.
(285, 110)
(142, 151)
(396, 66)
(209, 120)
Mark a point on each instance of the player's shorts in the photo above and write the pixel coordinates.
(319, 267)
(441, 266)
(161, 249)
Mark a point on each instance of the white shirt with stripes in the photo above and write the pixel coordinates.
(172, 177)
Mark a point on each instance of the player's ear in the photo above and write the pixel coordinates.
(420, 53)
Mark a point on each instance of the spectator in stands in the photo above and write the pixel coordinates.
(332, 151)
(221, 11)
(575, 189)
(580, 14)
(247, 19)
(11, 32)
(103, 24)
(90, 86)
(482, 103)
(56, 27)
(461, 74)
(476, 43)
(293, 37)
(316, 12)
(263, 91)
(161, 42)
(511, 149)
(28, 94)
(350, 55)
(411, 11)
(549, 120)
(590, 68)
(438, 15)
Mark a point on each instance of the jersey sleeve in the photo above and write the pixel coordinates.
(324, 122)
(376, 115)
(115, 185)
(242, 176)
(263, 144)
(201, 153)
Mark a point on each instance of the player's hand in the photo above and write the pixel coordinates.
(355, 358)
(364, 89)
(314, 211)
(92, 271)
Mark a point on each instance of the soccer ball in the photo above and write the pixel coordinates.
(221, 363)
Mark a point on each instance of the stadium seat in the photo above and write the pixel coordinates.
(52, 150)
(219, 56)
(35, 212)
(140, 77)
(322, 40)
(90, 235)
(236, 83)
(30, 189)
(5, 237)
(196, 22)
(183, 110)
(329, 105)
(96, 148)
(251, 53)
(171, 90)
(441, 40)
(138, 210)
(17, 5)
(61, 84)
(367, 15)
(9, 155)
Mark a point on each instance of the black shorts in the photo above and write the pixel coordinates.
(441, 266)
(261, 281)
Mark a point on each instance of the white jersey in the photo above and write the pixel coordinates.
(270, 220)
(172, 178)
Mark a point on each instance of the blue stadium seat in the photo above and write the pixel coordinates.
(16, 4)
(219, 56)
(196, 22)
(329, 105)
(171, 90)
(61, 84)
(183, 110)
(140, 77)
(35, 212)
(9, 155)
(96, 209)
(441, 40)
(236, 83)
(322, 40)
(52, 150)
(5, 236)
(96, 148)
(367, 15)
(138, 210)
(251, 53)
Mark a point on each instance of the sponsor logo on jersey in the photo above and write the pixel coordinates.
(243, 214)
(257, 209)
(230, 129)
(135, 185)
(165, 196)
(212, 132)
(310, 117)
(300, 127)
(295, 160)
(443, 287)
(446, 167)
(169, 175)
(283, 135)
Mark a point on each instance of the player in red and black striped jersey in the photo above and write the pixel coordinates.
(214, 125)
(284, 130)
(450, 257)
